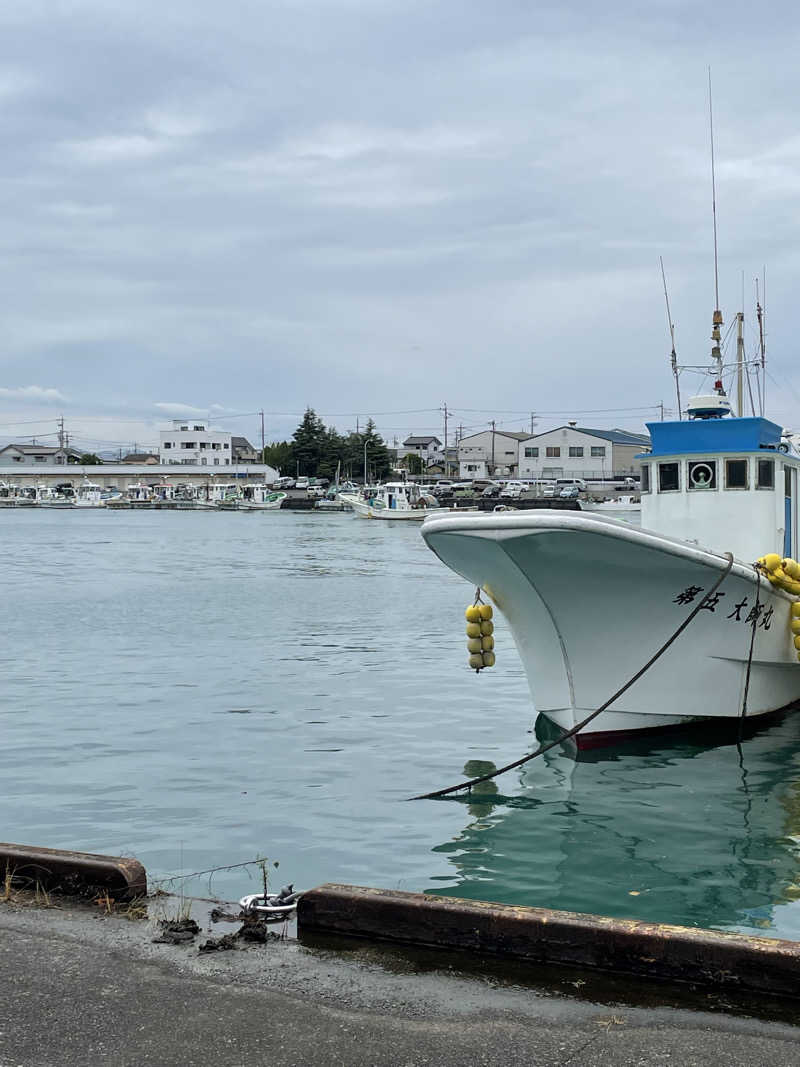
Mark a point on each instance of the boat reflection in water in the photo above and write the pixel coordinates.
(681, 832)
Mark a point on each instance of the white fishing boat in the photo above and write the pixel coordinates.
(48, 496)
(89, 495)
(590, 599)
(261, 498)
(396, 501)
(140, 495)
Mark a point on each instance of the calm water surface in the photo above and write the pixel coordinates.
(198, 690)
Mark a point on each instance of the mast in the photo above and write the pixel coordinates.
(716, 319)
(740, 363)
(673, 357)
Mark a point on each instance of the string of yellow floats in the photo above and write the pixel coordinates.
(480, 628)
(785, 574)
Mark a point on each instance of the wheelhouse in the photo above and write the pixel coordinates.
(735, 474)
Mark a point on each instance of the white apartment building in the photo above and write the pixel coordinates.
(191, 441)
(489, 454)
(576, 452)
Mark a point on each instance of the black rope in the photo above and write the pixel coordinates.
(756, 614)
(576, 729)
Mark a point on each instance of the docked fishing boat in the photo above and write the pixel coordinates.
(55, 497)
(89, 495)
(590, 599)
(396, 501)
(261, 498)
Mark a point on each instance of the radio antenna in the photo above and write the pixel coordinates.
(716, 352)
(673, 357)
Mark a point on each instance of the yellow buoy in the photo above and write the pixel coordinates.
(487, 644)
(795, 625)
(797, 642)
(487, 628)
(474, 629)
(488, 659)
(476, 661)
(474, 644)
(796, 611)
(771, 561)
(473, 613)
(486, 611)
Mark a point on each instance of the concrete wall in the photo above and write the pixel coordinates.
(121, 475)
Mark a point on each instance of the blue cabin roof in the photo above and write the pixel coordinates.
(712, 435)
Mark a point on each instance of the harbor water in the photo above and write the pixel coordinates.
(199, 690)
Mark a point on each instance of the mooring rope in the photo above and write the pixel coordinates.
(585, 722)
(756, 614)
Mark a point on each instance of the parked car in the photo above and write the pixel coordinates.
(316, 490)
(302, 483)
(569, 492)
(283, 483)
(513, 490)
(492, 491)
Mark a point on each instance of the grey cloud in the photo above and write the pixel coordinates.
(358, 206)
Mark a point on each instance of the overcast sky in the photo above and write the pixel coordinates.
(378, 207)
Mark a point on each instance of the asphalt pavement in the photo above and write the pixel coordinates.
(80, 987)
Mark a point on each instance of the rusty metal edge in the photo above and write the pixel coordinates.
(124, 877)
(542, 936)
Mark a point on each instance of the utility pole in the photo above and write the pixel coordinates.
(446, 462)
(493, 464)
(661, 407)
(533, 420)
(263, 444)
(365, 462)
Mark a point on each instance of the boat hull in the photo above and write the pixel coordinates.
(589, 601)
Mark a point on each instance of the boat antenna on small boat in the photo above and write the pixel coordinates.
(717, 322)
(673, 357)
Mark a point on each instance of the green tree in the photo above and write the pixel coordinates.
(333, 453)
(413, 463)
(88, 459)
(308, 443)
(279, 456)
(379, 462)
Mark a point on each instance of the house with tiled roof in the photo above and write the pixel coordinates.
(33, 455)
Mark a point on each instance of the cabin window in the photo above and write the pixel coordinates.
(703, 474)
(766, 474)
(669, 478)
(735, 473)
(645, 478)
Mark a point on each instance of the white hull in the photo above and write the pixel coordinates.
(590, 600)
(248, 505)
(364, 510)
